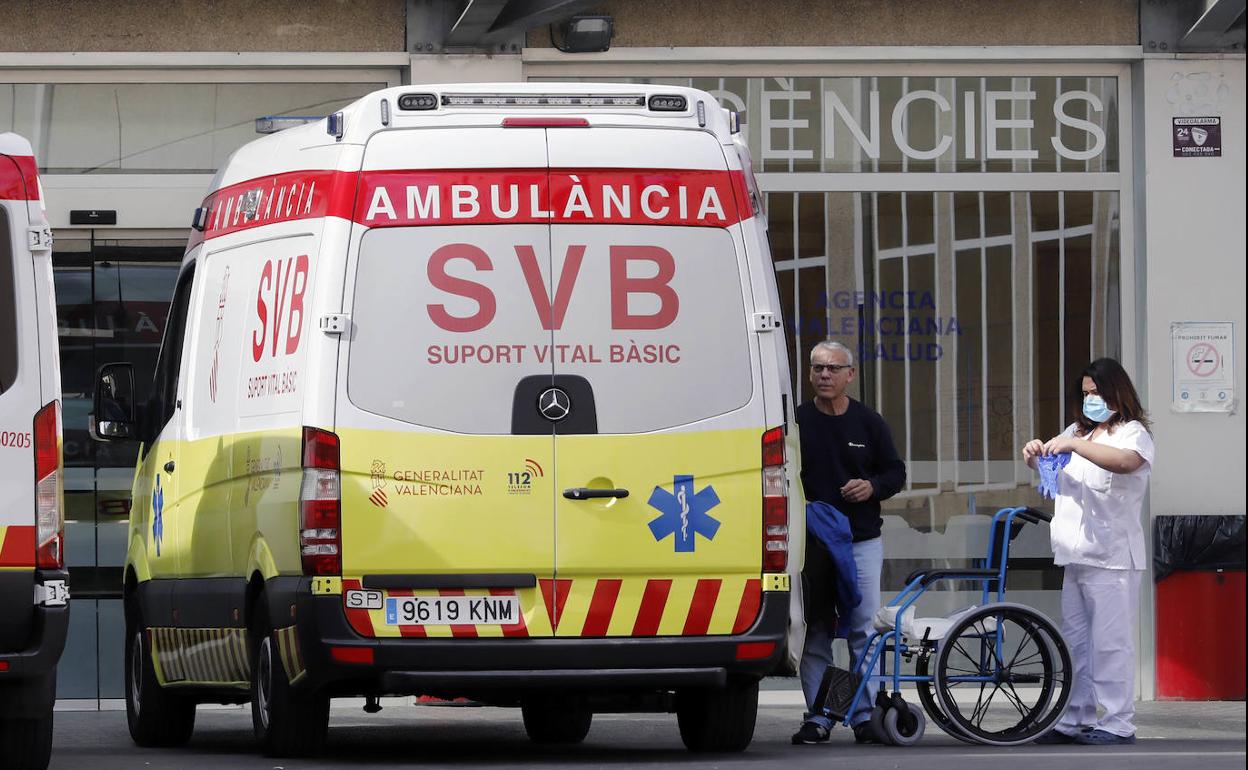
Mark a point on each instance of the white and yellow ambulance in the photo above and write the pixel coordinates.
(471, 390)
(34, 609)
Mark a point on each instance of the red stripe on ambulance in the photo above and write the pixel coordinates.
(519, 628)
(358, 619)
(459, 630)
(399, 198)
(17, 546)
(555, 594)
(748, 611)
(601, 607)
(650, 614)
(702, 607)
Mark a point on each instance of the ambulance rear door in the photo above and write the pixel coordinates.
(448, 511)
(658, 522)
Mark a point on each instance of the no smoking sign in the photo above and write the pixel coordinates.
(1203, 359)
(1204, 368)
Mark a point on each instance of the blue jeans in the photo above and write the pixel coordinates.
(817, 654)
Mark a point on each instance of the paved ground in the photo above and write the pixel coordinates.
(1171, 735)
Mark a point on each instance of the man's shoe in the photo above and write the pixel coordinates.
(811, 732)
(1054, 738)
(864, 734)
(1103, 738)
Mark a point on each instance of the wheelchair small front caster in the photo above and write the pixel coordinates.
(904, 726)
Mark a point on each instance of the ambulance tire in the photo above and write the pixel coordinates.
(718, 720)
(288, 723)
(556, 719)
(26, 744)
(156, 716)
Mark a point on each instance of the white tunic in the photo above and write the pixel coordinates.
(1096, 518)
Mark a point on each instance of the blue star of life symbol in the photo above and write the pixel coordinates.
(158, 508)
(684, 513)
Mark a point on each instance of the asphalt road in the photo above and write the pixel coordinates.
(1171, 735)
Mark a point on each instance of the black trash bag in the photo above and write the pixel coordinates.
(1197, 543)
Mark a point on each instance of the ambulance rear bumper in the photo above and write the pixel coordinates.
(47, 629)
(417, 666)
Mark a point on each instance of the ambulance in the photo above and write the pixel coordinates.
(468, 390)
(34, 586)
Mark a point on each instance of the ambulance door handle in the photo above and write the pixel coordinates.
(584, 493)
(169, 467)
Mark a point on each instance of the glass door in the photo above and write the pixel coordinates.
(112, 296)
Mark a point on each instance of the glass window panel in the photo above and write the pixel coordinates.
(1077, 321)
(1077, 208)
(1045, 208)
(892, 373)
(888, 220)
(920, 219)
(1046, 326)
(156, 127)
(966, 215)
(998, 213)
(968, 309)
(1045, 124)
(788, 306)
(891, 158)
(1004, 109)
(920, 121)
(999, 335)
(780, 225)
(811, 233)
(922, 349)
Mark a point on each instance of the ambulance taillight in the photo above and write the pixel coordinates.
(49, 489)
(775, 503)
(320, 504)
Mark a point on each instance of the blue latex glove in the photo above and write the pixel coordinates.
(1050, 467)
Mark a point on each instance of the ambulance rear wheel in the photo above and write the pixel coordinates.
(557, 719)
(718, 720)
(288, 723)
(155, 715)
(26, 744)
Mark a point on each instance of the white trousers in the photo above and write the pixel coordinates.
(1099, 610)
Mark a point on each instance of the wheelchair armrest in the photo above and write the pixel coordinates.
(1034, 515)
(956, 574)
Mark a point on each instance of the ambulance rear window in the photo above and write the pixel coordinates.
(449, 320)
(8, 306)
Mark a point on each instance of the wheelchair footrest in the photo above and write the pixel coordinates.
(836, 692)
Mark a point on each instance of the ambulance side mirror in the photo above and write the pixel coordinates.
(112, 405)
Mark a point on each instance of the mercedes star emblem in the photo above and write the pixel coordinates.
(554, 404)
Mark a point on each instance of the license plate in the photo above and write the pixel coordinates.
(452, 610)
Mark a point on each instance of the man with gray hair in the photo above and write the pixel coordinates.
(849, 462)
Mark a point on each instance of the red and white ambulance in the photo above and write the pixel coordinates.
(470, 390)
(34, 593)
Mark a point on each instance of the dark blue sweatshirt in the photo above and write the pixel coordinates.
(854, 445)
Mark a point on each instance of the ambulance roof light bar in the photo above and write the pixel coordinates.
(544, 100)
(271, 124)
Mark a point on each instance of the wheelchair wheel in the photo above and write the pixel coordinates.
(927, 696)
(902, 731)
(1003, 675)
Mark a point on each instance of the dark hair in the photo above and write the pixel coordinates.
(1114, 385)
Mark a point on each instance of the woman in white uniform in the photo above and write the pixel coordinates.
(1098, 537)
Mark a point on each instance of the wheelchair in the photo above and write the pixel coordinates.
(997, 673)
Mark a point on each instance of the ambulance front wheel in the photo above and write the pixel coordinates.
(155, 715)
(556, 719)
(718, 720)
(288, 723)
